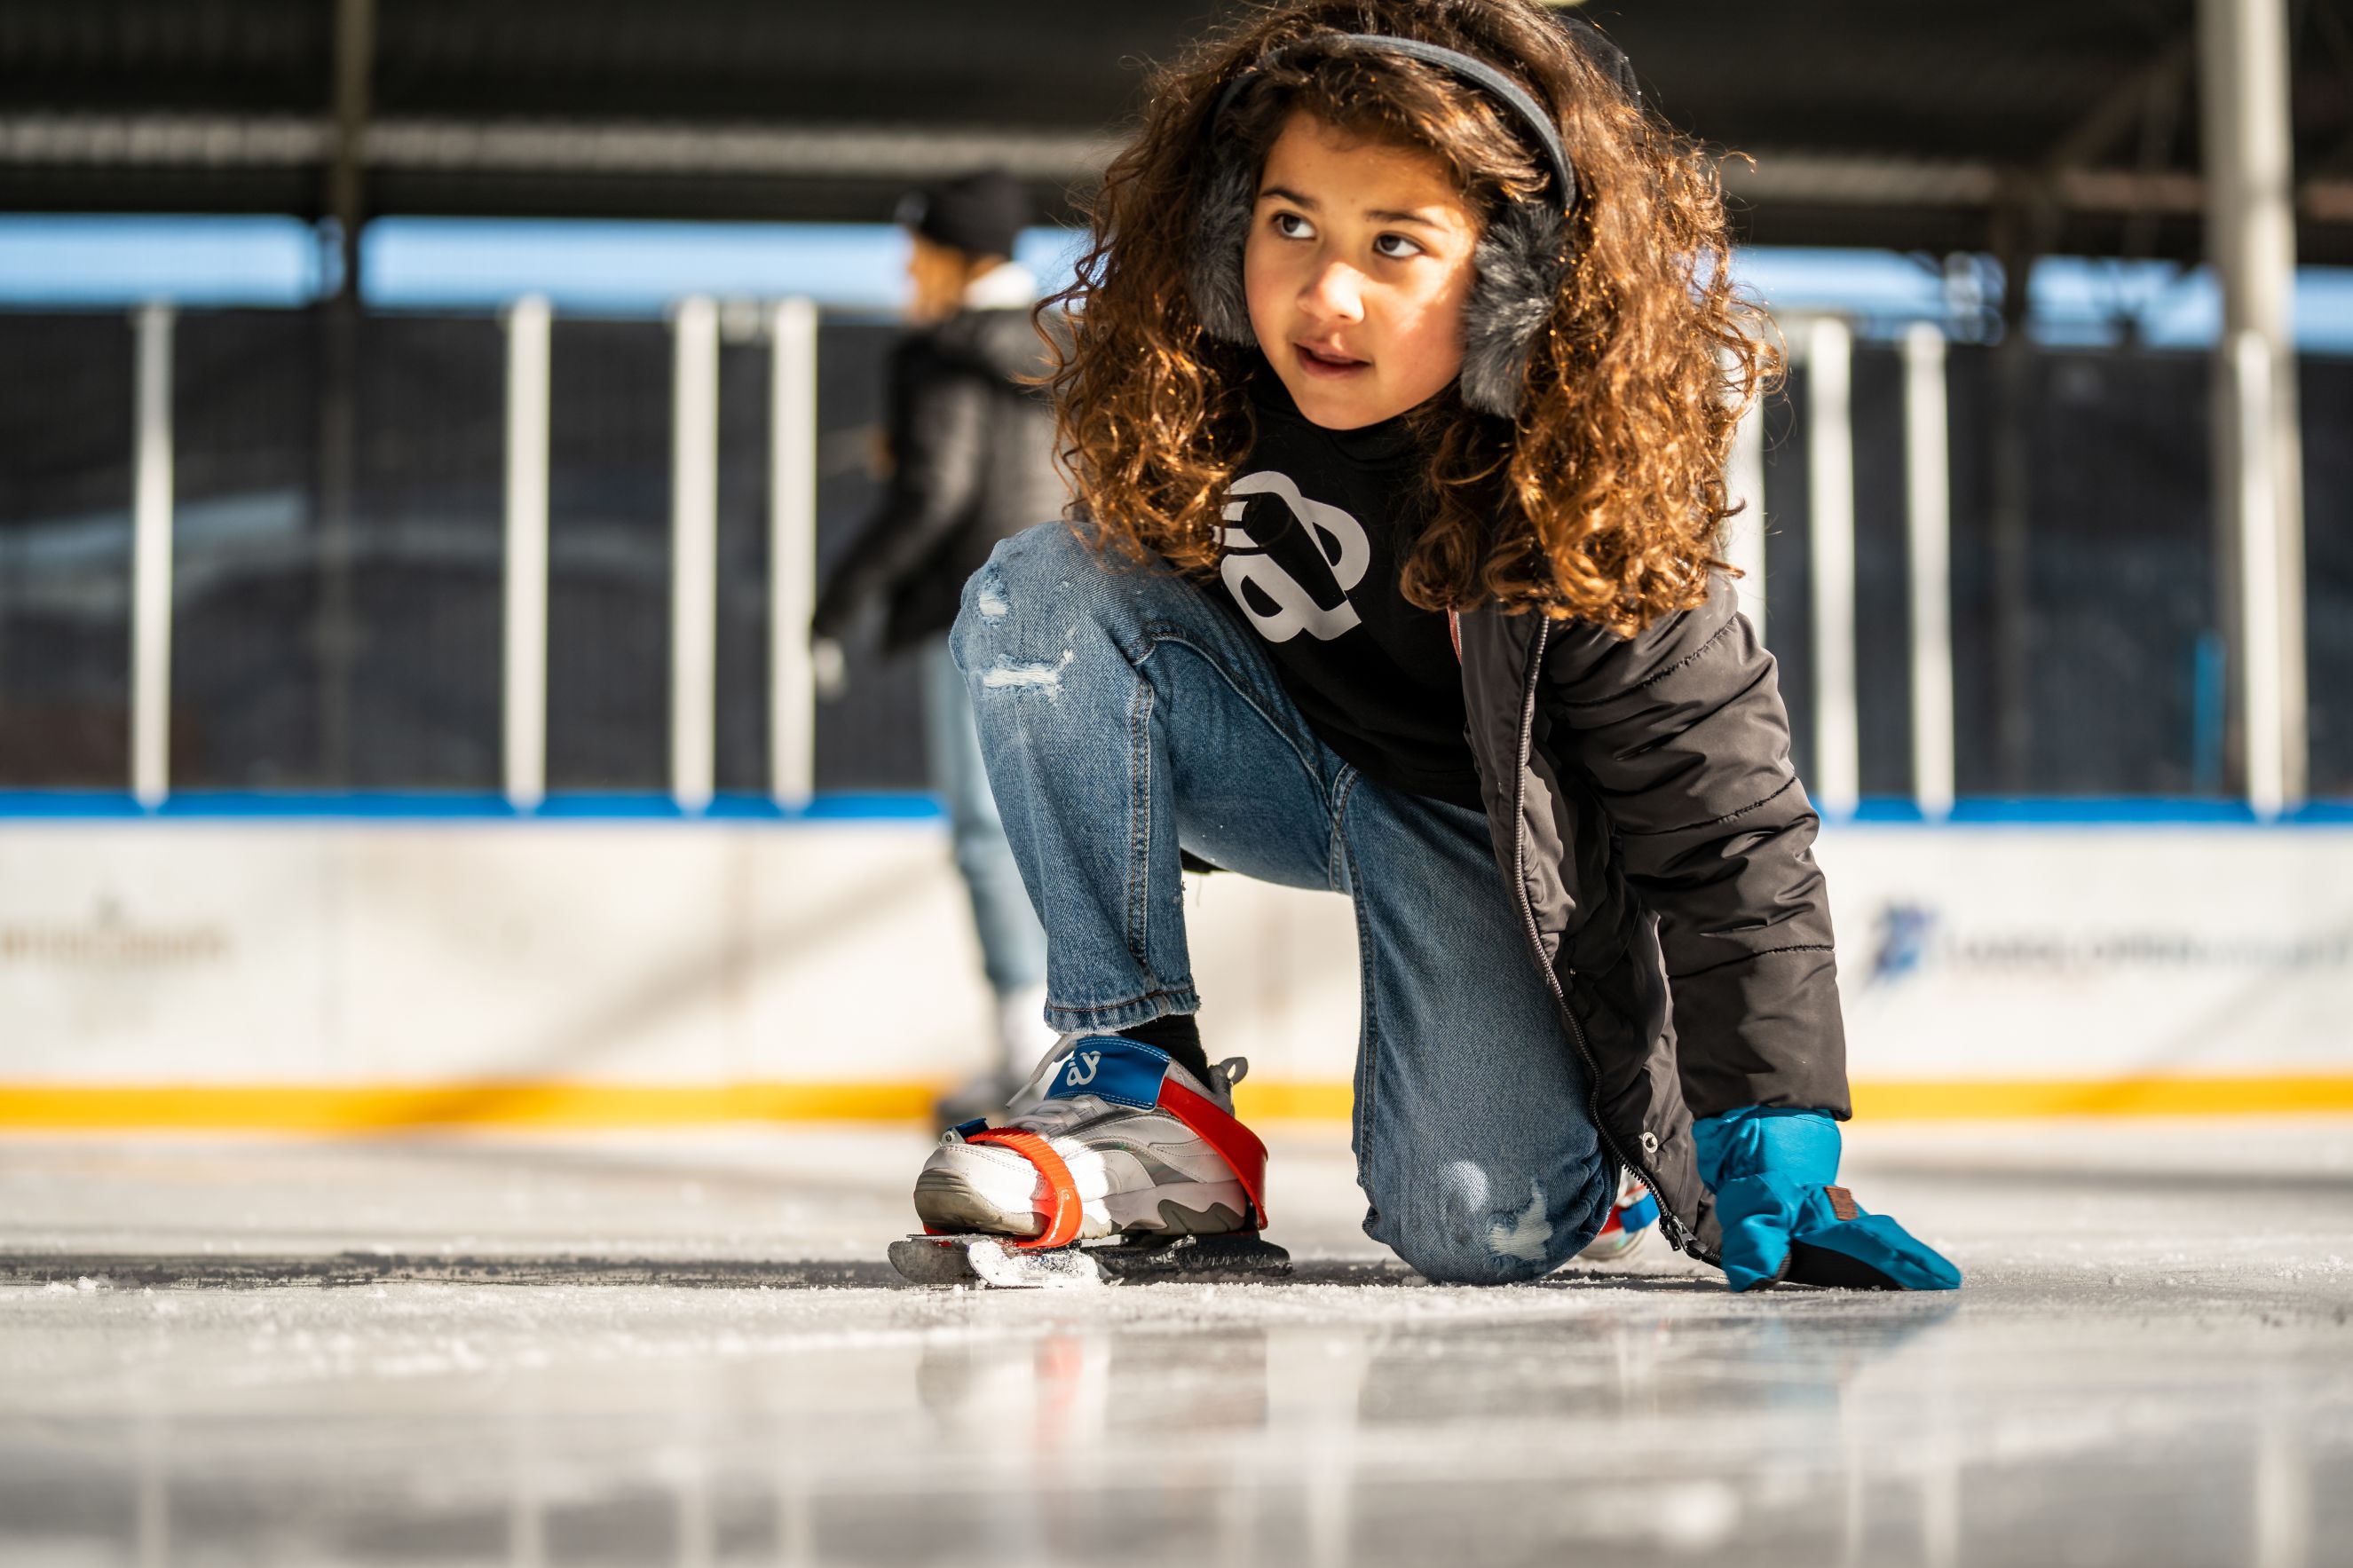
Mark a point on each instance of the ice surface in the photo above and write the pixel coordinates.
(690, 1351)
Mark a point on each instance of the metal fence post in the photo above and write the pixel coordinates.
(791, 551)
(2260, 682)
(1744, 481)
(1830, 455)
(151, 562)
(695, 552)
(1927, 484)
(529, 330)
(2249, 178)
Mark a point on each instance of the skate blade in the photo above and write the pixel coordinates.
(992, 1261)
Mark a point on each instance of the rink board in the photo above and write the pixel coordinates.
(345, 974)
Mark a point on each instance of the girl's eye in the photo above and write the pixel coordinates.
(1291, 225)
(1395, 247)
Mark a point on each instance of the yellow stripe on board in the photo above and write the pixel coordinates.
(314, 1108)
(376, 1108)
(1294, 1100)
(1969, 1100)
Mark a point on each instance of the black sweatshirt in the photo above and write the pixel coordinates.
(1318, 522)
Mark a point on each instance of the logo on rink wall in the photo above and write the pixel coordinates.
(110, 940)
(1911, 936)
(1902, 942)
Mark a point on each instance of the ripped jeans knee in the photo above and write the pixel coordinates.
(1023, 613)
(1460, 1223)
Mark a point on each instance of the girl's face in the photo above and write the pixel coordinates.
(1357, 269)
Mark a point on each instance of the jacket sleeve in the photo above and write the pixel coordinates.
(938, 434)
(1681, 732)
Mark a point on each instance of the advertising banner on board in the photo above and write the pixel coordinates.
(1981, 966)
(2089, 951)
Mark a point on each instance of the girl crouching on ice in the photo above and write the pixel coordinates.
(1396, 407)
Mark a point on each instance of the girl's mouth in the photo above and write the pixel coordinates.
(1322, 363)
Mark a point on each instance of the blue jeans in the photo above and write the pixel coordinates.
(1012, 948)
(1122, 715)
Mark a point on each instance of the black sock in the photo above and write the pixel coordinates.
(1176, 1034)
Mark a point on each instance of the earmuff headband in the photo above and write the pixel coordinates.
(1478, 72)
(1519, 258)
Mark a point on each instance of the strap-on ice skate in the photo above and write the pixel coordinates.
(1138, 1077)
(1062, 1225)
(1130, 1073)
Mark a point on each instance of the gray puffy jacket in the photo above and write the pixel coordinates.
(1656, 841)
(973, 462)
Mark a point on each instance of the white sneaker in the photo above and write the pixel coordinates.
(1633, 1220)
(1110, 1136)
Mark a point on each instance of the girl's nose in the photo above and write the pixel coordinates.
(1334, 292)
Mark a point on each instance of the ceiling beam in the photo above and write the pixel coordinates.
(914, 153)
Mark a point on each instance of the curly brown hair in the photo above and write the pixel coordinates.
(1604, 499)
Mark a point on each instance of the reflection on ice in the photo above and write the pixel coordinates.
(718, 1409)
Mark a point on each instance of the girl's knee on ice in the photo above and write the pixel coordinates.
(1461, 1223)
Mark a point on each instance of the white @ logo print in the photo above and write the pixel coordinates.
(1094, 1060)
(1341, 539)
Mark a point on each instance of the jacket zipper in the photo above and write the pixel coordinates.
(1671, 1224)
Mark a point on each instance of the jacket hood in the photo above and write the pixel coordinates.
(1000, 343)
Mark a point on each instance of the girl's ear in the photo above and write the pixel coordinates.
(1221, 224)
(1521, 263)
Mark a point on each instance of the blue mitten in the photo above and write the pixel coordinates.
(1775, 1174)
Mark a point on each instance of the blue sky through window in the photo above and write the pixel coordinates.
(637, 268)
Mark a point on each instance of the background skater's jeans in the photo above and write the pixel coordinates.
(1122, 714)
(1012, 948)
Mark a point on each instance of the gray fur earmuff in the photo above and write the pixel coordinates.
(1521, 263)
(1222, 225)
(1521, 258)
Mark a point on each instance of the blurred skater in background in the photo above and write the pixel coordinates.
(970, 458)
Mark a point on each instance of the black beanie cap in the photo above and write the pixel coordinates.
(980, 213)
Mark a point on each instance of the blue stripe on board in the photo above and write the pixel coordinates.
(2098, 811)
(2058, 810)
(426, 806)
(67, 804)
(403, 805)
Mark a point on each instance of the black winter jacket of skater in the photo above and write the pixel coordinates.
(1658, 847)
(972, 463)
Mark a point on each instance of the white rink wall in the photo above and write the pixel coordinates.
(1986, 967)
(2122, 952)
(626, 952)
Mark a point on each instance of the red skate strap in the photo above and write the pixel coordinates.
(1218, 1128)
(1062, 1225)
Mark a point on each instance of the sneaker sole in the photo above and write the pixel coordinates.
(945, 1201)
(1618, 1248)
